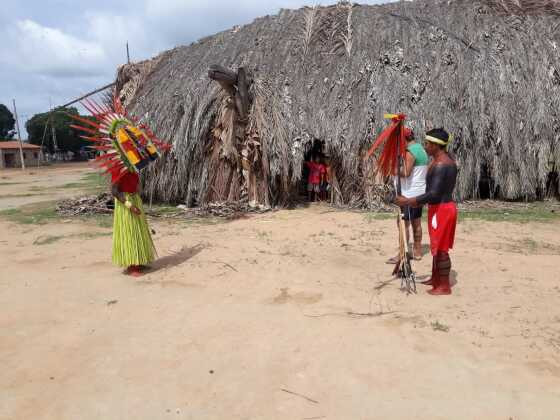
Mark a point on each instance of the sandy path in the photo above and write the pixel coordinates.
(254, 306)
(18, 188)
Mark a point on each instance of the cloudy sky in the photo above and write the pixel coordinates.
(57, 50)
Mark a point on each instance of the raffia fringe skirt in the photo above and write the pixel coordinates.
(132, 242)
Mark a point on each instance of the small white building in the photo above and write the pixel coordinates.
(10, 155)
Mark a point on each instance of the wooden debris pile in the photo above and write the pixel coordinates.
(95, 204)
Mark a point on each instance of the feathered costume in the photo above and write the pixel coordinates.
(393, 140)
(127, 148)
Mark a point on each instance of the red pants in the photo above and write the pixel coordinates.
(442, 220)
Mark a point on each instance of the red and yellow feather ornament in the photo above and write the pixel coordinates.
(126, 145)
(393, 140)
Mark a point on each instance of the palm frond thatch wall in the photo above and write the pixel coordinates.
(484, 70)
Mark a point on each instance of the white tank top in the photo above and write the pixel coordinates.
(415, 184)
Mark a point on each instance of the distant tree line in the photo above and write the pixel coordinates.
(40, 129)
(65, 138)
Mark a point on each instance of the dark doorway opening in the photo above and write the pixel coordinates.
(487, 188)
(10, 160)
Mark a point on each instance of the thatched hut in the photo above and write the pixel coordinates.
(489, 74)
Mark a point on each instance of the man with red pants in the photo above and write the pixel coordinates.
(442, 211)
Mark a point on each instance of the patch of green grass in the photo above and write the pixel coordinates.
(372, 217)
(73, 185)
(10, 183)
(36, 188)
(262, 234)
(32, 214)
(95, 180)
(19, 195)
(101, 220)
(93, 235)
(47, 239)
(437, 326)
(202, 221)
(161, 210)
(528, 246)
(91, 182)
(533, 214)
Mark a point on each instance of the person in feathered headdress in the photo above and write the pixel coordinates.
(442, 211)
(393, 142)
(128, 148)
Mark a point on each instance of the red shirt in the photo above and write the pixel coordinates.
(315, 172)
(128, 183)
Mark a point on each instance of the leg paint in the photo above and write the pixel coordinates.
(443, 270)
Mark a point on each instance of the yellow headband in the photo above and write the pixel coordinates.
(439, 141)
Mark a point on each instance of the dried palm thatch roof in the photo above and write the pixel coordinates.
(525, 7)
(485, 70)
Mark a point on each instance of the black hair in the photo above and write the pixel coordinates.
(439, 133)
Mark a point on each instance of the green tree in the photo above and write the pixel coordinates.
(7, 123)
(67, 138)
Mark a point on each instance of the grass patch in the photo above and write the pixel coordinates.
(372, 217)
(93, 235)
(204, 221)
(528, 246)
(261, 234)
(74, 185)
(101, 220)
(437, 326)
(161, 210)
(515, 216)
(32, 214)
(92, 182)
(10, 183)
(95, 180)
(19, 195)
(36, 188)
(47, 239)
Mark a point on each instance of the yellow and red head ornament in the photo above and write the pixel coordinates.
(128, 146)
(393, 139)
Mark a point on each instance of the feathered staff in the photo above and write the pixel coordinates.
(393, 140)
(390, 163)
(126, 145)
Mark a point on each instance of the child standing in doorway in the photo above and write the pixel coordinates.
(314, 178)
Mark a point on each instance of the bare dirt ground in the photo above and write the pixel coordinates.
(286, 315)
(34, 184)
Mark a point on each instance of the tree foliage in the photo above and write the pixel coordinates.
(7, 123)
(67, 138)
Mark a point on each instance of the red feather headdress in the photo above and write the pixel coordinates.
(126, 145)
(393, 139)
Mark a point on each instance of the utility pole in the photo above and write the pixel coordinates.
(53, 132)
(19, 137)
(127, 53)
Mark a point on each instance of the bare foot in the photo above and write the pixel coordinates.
(134, 271)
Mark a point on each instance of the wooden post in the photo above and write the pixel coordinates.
(88, 95)
(127, 53)
(242, 96)
(19, 137)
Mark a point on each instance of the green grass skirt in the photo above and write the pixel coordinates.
(132, 242)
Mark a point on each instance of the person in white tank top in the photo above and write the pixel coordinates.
(413, 184)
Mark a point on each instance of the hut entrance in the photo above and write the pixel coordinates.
(553, 185)
(312, 186)
(487, 187)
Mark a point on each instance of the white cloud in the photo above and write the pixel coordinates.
(62, 49)
(114, 31)
(48, 51)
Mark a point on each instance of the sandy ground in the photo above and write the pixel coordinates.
(20, 187)
(286, 315)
